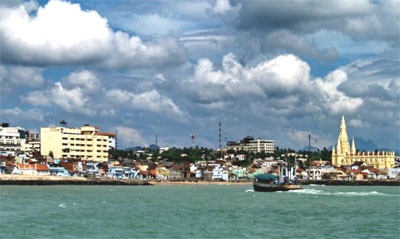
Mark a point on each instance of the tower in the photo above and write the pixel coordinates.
(342, 146)
(219, 137)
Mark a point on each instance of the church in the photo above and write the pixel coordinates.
(344, 155)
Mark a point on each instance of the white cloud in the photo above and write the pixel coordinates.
(357, 123)
(84, 79)
(336, 100)
(221, 6)
(17, 76)
(150, 100)
(71, 100)
(61, 33)
(17, 115)
(280, 76)
(129, 136)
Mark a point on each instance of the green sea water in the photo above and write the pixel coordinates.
(198, 211)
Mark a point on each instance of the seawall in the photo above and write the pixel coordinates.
(54, 180)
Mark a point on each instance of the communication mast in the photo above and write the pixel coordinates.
(193, 138)
(219, 137)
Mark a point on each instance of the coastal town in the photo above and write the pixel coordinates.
(64, 153)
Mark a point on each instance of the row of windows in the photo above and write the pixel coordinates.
(9, 137)
(83, 139)
(82, 156)
(85, 146)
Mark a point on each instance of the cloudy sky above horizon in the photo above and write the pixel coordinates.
(276, 70)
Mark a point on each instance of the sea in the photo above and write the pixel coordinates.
(198, 211)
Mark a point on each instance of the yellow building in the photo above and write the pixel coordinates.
(344, 155)
(85, 143)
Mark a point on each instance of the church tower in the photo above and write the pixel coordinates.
(344, 155)
(342, 146)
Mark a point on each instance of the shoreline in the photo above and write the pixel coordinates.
(12, 179)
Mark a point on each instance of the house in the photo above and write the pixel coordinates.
(57, 170)
(357, 165)
(31, 169)
(115, 172)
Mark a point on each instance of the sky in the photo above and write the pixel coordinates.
(147, 69)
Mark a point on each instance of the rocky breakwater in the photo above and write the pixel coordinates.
(8, 179)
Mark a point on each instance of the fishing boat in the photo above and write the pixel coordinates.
(284, 180)
(272, 183)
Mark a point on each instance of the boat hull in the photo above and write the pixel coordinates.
(264, 187)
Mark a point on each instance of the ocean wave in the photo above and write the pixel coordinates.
(321, 192)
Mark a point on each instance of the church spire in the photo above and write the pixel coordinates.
(343, 145)
(353, 146)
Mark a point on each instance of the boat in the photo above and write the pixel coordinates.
(272, 183)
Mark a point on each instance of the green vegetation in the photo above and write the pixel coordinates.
(191, 155)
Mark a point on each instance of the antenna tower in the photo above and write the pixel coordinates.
(219, 137)
(193, 137)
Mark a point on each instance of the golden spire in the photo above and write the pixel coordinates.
(343, 145)
(353, 147)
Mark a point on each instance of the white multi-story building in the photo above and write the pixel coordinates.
(260, 145)
(250, 144)
(84, 143)
(11, 139)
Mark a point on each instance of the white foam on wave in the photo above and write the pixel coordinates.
(321, 192)
(249, 190)
(62, 205)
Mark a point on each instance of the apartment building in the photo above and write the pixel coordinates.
(84, 143)
(11, 139)
(250, 144)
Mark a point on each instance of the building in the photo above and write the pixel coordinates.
(11, 139)
(344, 155)
(84, 143)
(250, 144)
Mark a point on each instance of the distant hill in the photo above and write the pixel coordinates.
(367, 145)
(136, 148)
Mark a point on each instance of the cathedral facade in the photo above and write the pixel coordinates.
(345, 155)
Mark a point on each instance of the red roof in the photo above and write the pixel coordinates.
(37, 167)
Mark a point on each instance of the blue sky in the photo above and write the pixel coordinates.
(276, 70)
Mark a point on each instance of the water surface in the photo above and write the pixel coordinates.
(198, 211)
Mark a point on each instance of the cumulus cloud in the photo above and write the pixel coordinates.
(17, 115)
(361, 18)
(61, 33)
(129, 136)
(280, 76)
(150, 100)
(336, 100)
(283, 39)
(17, 76)
(84, 79)
(71, 94)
